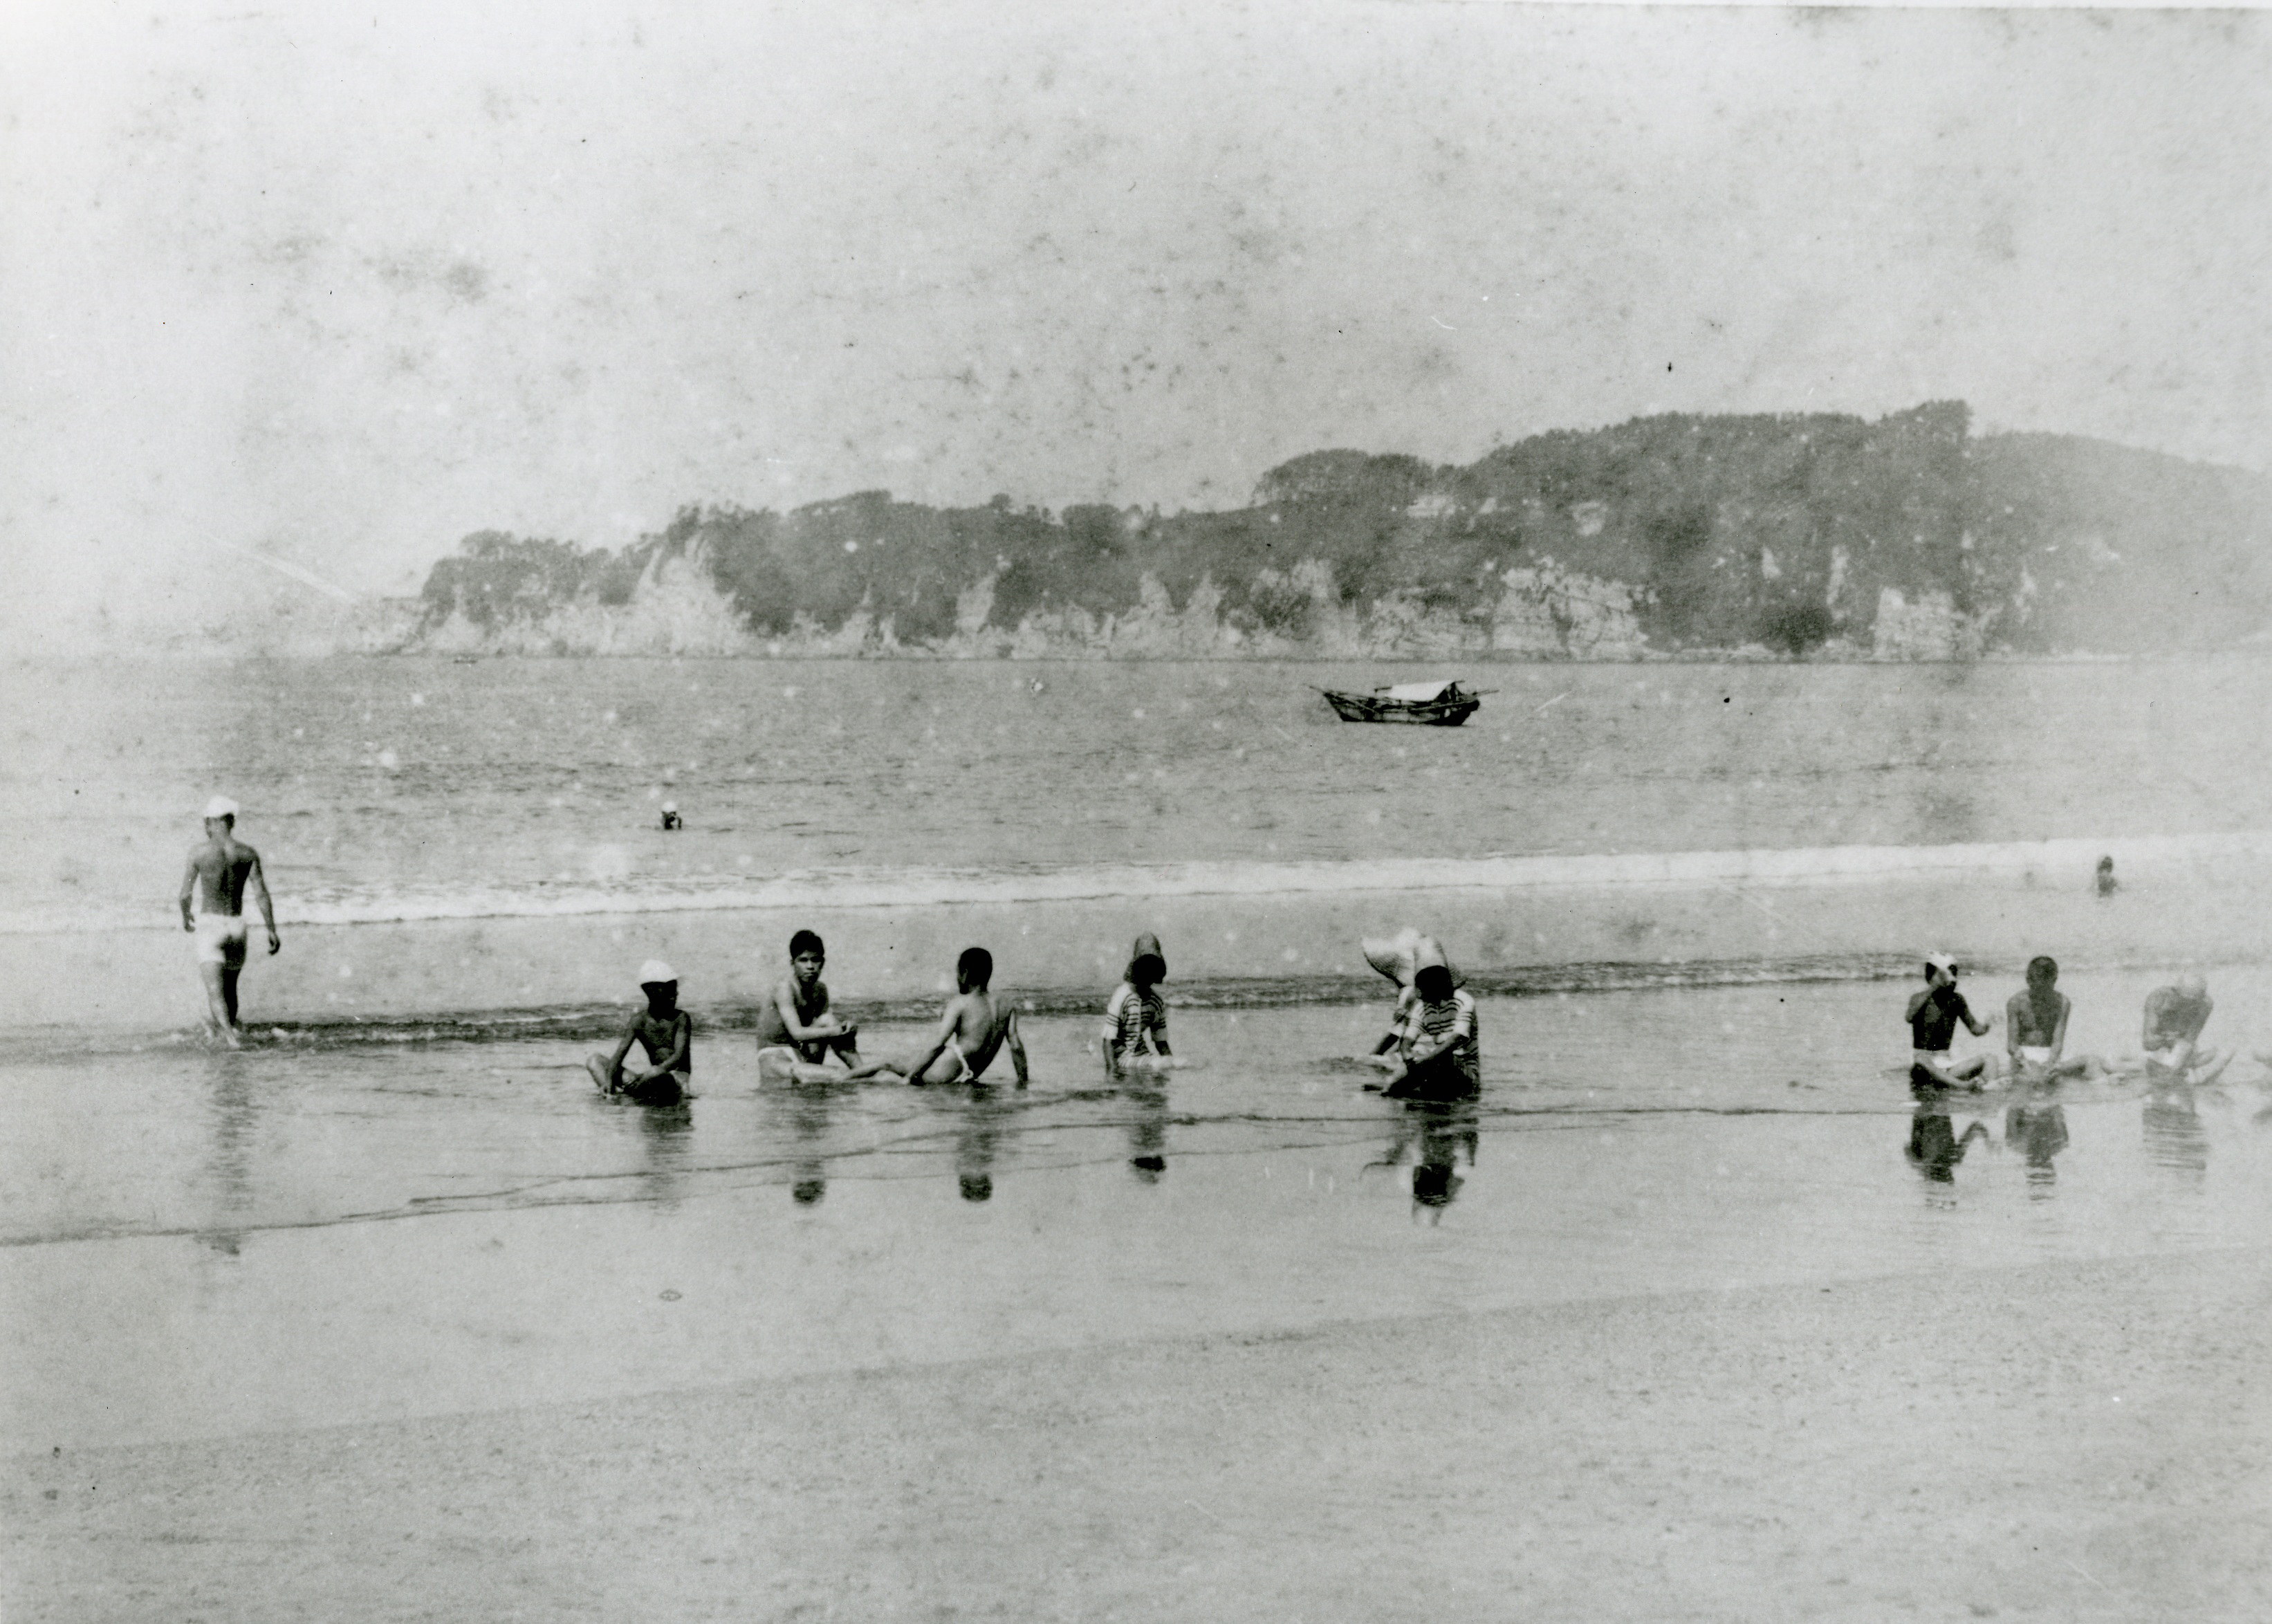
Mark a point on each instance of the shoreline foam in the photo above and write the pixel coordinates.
(1273, 932)
(2066, 861)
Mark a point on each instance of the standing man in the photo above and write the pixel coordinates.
(218, 873)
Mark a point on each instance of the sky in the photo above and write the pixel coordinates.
(338, 284)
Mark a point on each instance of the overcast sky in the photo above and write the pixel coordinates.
(343, 283)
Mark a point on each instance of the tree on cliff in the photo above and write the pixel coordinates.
(1781, 531)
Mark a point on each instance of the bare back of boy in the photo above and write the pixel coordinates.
(975, 1024)
(972, 1030)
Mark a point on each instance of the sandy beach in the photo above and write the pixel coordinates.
(667, 537)
(2059, 1442)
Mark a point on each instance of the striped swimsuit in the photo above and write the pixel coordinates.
(1132, 1013)
(1456, 1015)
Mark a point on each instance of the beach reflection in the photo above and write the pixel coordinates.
(1935, 1147)
(233, 1111)
(803, 1113)
(2175, 1139)
(977, 1139)
(1434, 1132)
(1147, 1127)
(2034, 1124)
(665, 1137)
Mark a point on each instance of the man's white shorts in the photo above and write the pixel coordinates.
(220, 938)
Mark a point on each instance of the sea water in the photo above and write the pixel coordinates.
(360, 1220)
(404, 787)
(485, 841)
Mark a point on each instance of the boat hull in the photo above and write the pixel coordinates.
(1428, 714)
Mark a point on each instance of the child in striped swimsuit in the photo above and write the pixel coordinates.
(1439, 1044)
(1136, 1012)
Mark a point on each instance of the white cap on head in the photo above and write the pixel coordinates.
(220, 806)
(1943, 962)
(654, 970)
(670, 807)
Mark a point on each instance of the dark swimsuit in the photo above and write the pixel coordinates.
(1932, 1028)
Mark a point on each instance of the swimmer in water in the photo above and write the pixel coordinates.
(2035, 1029)
(2106, 883)
(975, 1027)
(1932, 1017)
(666, 1032)
(218, 873)
(1136, 1014)
(671, 816)
(796, 1021)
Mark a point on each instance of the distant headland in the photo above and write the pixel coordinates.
(1817, 536)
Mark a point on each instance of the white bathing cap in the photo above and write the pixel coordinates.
(220, 806)
(654, 970)
(670, 807)
(1942, 961)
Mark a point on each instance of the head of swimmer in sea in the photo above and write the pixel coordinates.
(1433, 983)
(662, 998)
(220, 818)
(806, 957)
(1149, 967)
(974, 972)
(1940, 970)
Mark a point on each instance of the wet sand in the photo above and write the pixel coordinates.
(2068, 1441)
(1670, 1325)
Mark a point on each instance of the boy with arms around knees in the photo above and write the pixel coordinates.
(797, 1019)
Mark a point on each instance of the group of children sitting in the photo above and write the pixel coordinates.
(798, 1033)
(2035, 1033)
(1430, 1049)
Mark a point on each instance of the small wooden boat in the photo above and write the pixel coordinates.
(1428, 704)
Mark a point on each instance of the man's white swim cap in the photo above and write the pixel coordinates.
(220, 806)
(1943, 962)
(654, 970)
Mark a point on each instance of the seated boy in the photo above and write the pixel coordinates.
(2035, 1027)
(2170, 1034)
(1933, 1016)
(666, 1032)
(1136, 1014)
(1437, 1050)
(796, 1026)
(975, 1028)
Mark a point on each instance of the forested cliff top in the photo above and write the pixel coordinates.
(1793, 535)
